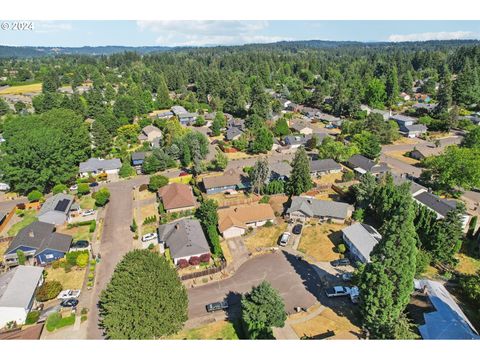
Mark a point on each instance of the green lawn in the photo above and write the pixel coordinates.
(87, 202)
(222, 330)
(28, 218)
(82, 233)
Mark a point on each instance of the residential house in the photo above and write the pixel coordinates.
(384, 113)
(138, 158)
(56, 209)
(185, 117)
(324, 166)
(235, 221)
(17, 293)
(360, 240)
(38, 241)
(280, 170)
(96, 166)
(177, 197)
(302, 127)
(236, 122)
(408, 126)
(424, 107)
(444, 319)
(295, 141)
(231, 179)
(362, 165)
(310, 112)
(330, 119)
(417, 154)
(184, 238)
(305, 208)
(164, 114)
(151, 134)
(415, 188)
(233, 133)
(294, 107)
(285, 103)
(423, 98)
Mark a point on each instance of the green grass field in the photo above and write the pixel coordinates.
(27, 219)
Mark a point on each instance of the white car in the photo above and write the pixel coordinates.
(4, 187)
(68, 294)
(149, 237)
(74, 187)
(88, 212)
(284, 239)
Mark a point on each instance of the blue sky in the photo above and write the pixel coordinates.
(204, 33)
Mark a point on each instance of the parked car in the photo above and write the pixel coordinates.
(340, 262)
(68, 294)
(216, 306)
(284, 239)
(347, 276)
(80, 245)
(88, 212)
(74, 187)
(337, 291)
(4, 187)
(297, 229)
(354, 294)
(93, 184)
(69, 303)
(149, 237)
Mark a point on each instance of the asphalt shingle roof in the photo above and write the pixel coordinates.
(18, 285)
(324, 165)
(319, 208)
(51, 203)
(437, 204)
(95, 164)
(363, 237)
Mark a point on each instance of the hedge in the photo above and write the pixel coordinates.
(55, 321)
(49, 290)
(93, 226)
(32, 317)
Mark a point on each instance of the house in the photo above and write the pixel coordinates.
(324, 166)
(444, 319)
(360, 240)
(302, 127)
(417, 154)
(384, 113)
(415, 188)
(138, 158)
(151, 134)
(330, 119)
(236, 122)
(440, 206)
(235, 221)
(17, 293)
(294, 107)
(362, 165)
(4, 187)
(230, 180)
(403, 121)
(279, 170)
(304, 208)
(184, 238)
(96, 166)
(415, 130)
(295, 141)
(177, 197)
(423, 98)
(39, 241)
(285, 103)
(424, 107)
(164, 114)
(185, 117)
(56, 209)
(233, 133)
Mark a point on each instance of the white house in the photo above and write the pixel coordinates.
(360, 240)
(96, 166)
(17, 293)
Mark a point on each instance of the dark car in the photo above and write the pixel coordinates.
(69, 303)
(297, 229)
(81, 244)
(93, 184)
(340, 262)
(220, 305)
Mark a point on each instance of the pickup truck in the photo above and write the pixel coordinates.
(336, 291)
(68, 294)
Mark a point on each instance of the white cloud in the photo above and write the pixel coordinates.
(51, 26)
(443, 35)
(208, 32)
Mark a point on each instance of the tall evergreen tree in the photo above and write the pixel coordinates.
(444, 96)
(391, 86)
(299, 180)
(259, 175)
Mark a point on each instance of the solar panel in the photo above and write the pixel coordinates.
(62, 205)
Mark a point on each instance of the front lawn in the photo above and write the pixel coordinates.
(319, 241)
(28, 218)
(265, 237)
(87, 202)
(77, 232)
(220, 330)
(399, 155)
(69, 280)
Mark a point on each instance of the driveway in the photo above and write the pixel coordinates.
(295, 279)
(116, 241)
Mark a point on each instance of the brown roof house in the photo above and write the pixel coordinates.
(177, 197)
(235, 221)
(231, 179)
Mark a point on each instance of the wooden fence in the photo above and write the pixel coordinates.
(7, 219)
(205, 272)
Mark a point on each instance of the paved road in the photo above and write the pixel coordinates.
(7, 205)
(296, 281)
(116, 242)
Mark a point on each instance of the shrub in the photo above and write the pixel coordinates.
(143, 187)
(91, 268)
(83, 318)
(32, 317)
(348, 176)
(59, 188)
(84, 311)
(49, 290)
(55, 321)
(91, 276)
(194, 260)
(34, 195)
(264, 200)
(102, 196)
(21, 206)
(56, 264)
(134, 226)
(358, 214)
(161, 209)
(90, 284)
(423, 259)
(205, 258)
(341, 248)
(68, 267)
(151, 246)
(83, 189)
(93, 226)
(156, 182)
(21, 257)
(214, 240)
(126, 170)
(269, 223)
(82, 260)
(182, 263)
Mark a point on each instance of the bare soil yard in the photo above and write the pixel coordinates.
(265, 237)
(399, 155)
(319, 241)
(69, 280)
(220, 330)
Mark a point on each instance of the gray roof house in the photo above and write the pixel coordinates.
(184, 238)
(362, 165)
(152, 134)
(40, 241)
(185, 117)
(447, 321)
(55, 209)
(303, 207)
(96, 166)
(233, 133)
(295, 141)
(415, 188)
(360, 240)
(414, 130)
(279, 170)
(17, 292)
(324, 166)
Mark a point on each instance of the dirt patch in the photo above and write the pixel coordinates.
(226, 252)
(467, 264)
(237, 155)
(277, 202)
(319, 241)
(406, 140)
(265, 237)
(220, 330)
(144, 195)
(399, 155)
(147, 211)
(329, 179)
(69, 280)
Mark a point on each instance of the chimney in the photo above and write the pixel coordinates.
(31, 234)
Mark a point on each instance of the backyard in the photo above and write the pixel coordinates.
(265, 237)
(77, 232)
(319, 241)
(69, 280)
(220, 330)
(29, 216)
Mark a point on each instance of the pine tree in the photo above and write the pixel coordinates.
(466, 89)
(444, 96)
(259, 175)
(299, 180)
(391, 86)
(102, 139)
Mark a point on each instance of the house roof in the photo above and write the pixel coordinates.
(300, 125)
(447, 322)
(360, 161)
(138, 156)
(320, 208)
(416, 127)
(364, 237)
(240, 216)
(18, 285)
(95, 164)
(437, 204)
(2, 216)
(414, 187)
(303, 139)
(324, 165)
(229, 178)
(59, 202)
(236, 122)
(147, 130)
(178, 110)
(176, 196)
(40, 236)
(184, 238)
(280, 169)
(403, 118)
(233, 132)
